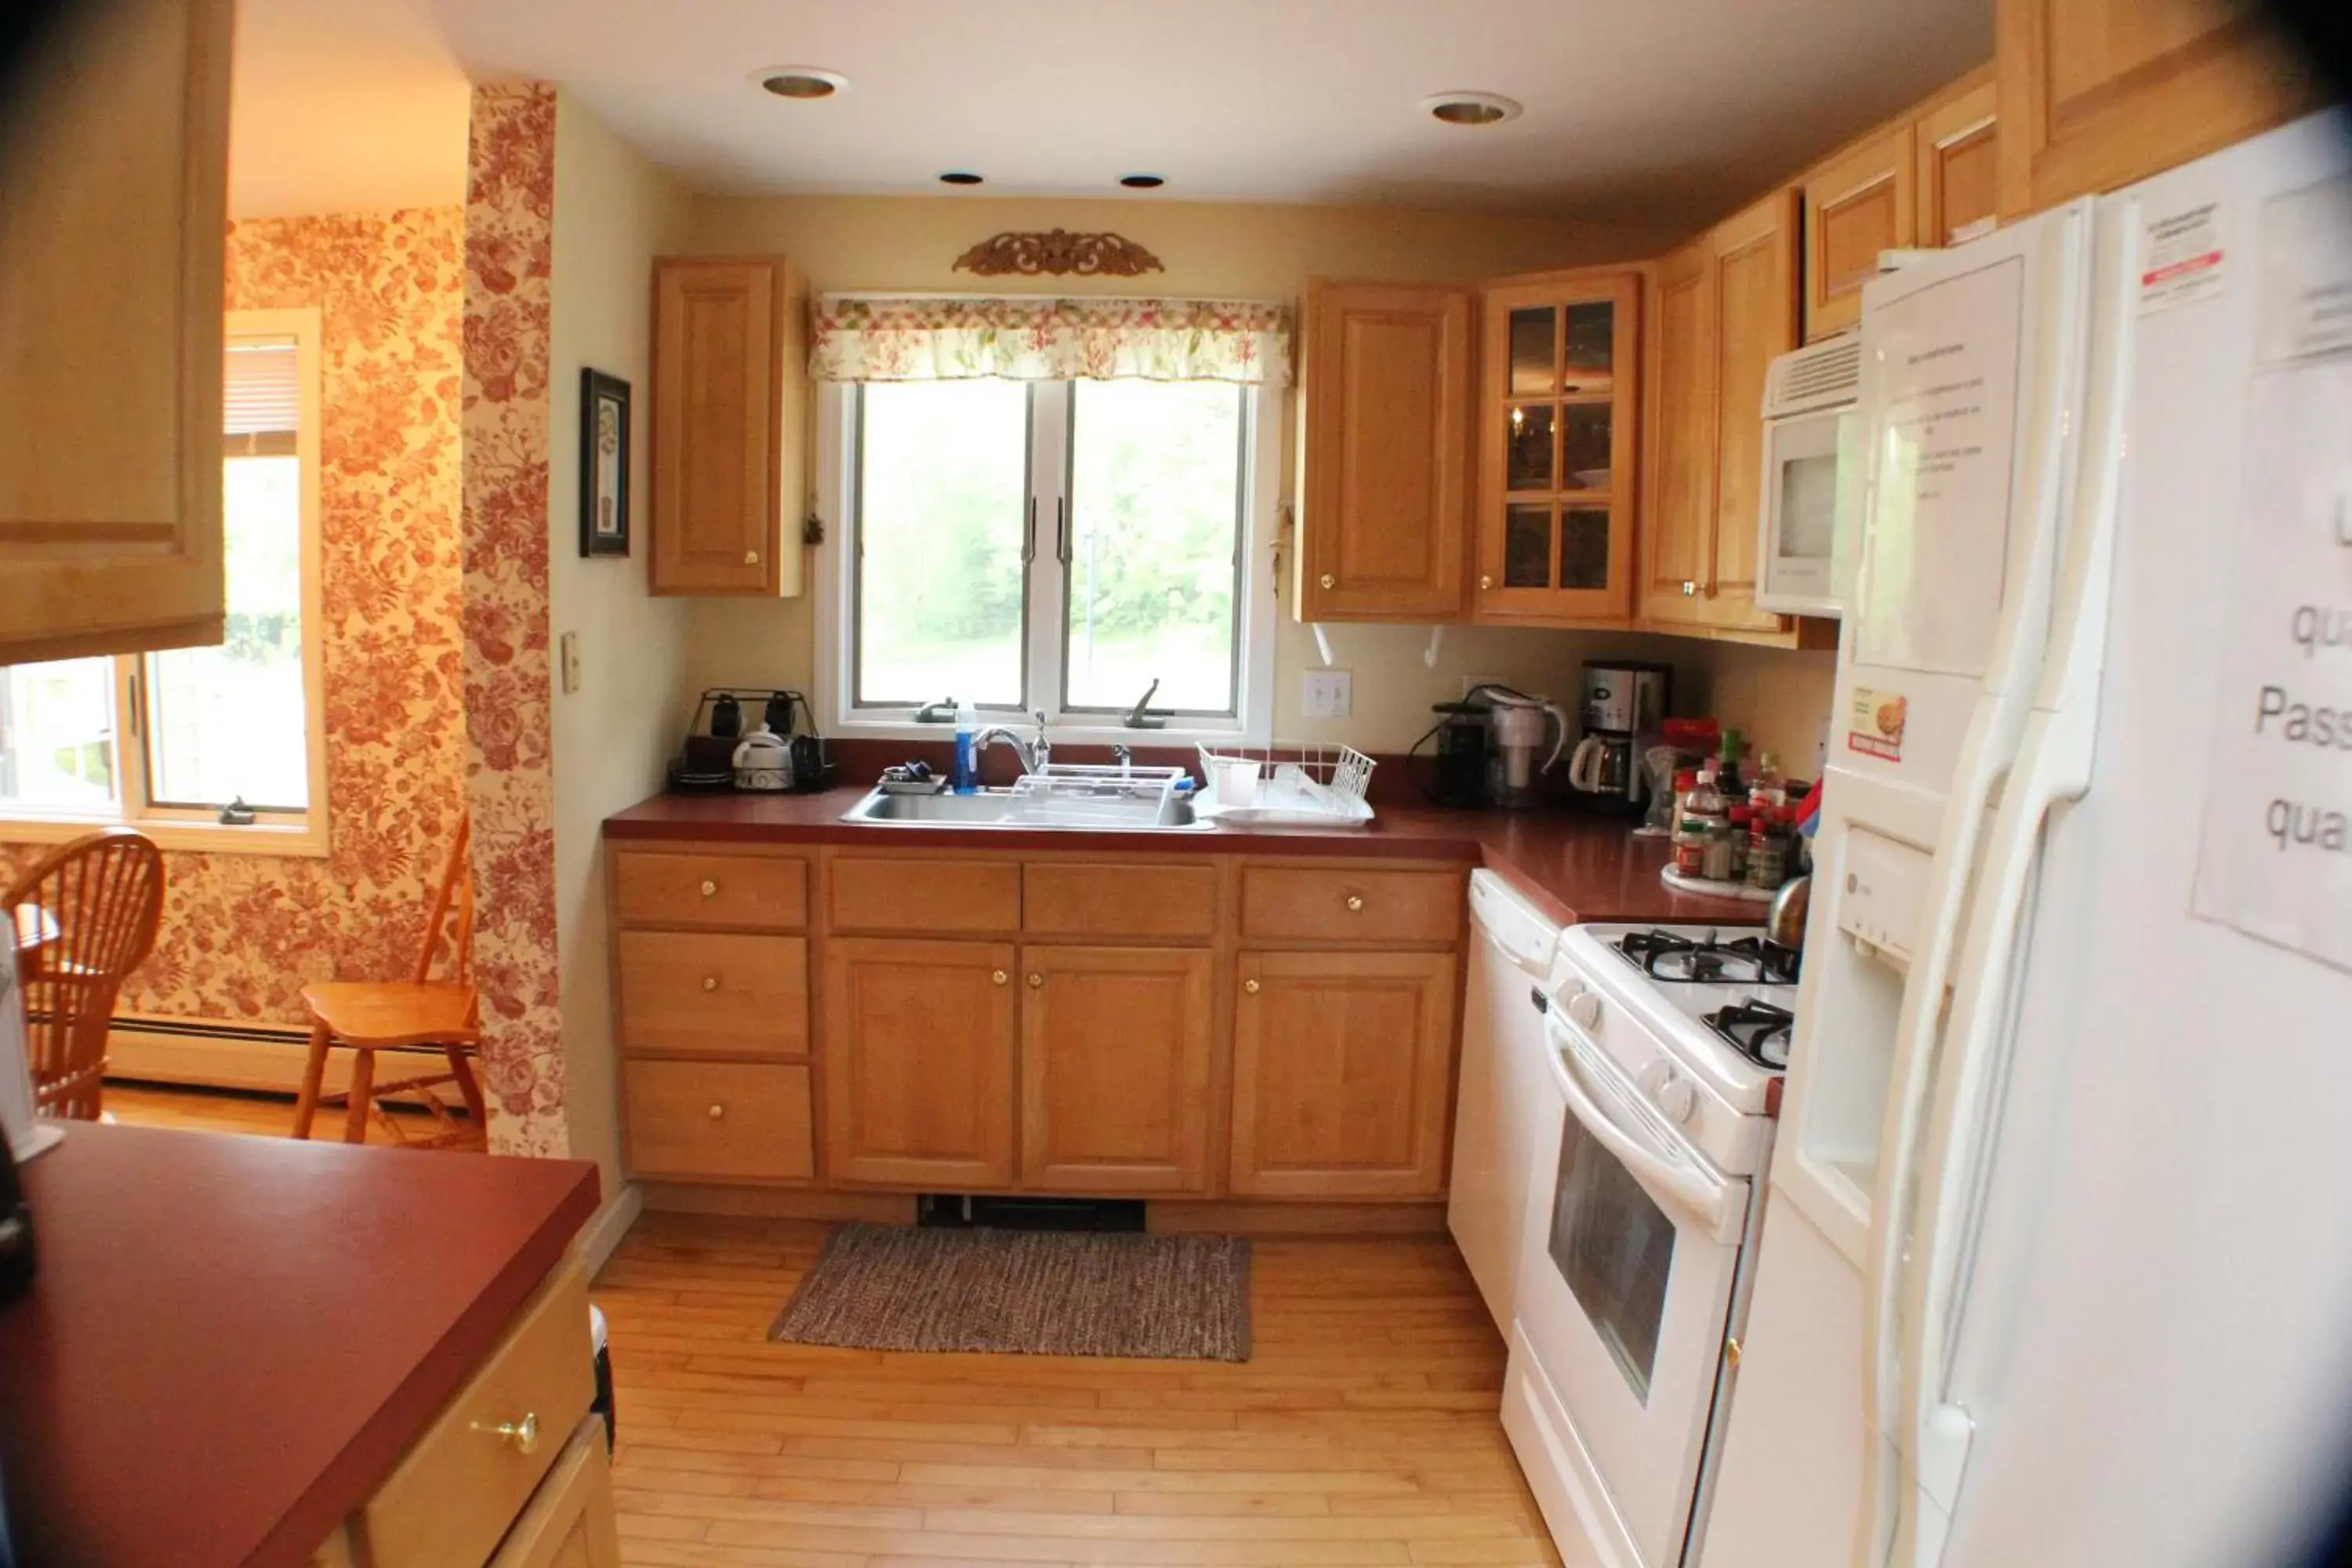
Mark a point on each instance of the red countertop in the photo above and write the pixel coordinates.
(1575, 867)
(231, 1339)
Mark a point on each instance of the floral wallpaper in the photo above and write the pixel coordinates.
(510, 230)
(243, 933)
(928, 338)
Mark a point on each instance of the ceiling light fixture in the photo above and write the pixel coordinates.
(1471, 107)
(1143, 182)
(960, 177)
(803, 83)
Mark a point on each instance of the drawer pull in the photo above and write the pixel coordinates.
(1035, 981)
(1328, 581)
(1354, 903)
(718, 1114)
(522, 1434)
(751, 558)
(710, 983)
(1250, 986)
(710, 889)
(1000, 977)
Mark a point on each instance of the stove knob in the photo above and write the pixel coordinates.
(1584, 1010)
(1675, 1097)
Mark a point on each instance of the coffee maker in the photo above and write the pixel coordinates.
(1624, 700)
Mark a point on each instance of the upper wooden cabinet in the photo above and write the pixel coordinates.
(730, 415)
(1678, 520)
(1559, 396)
(113, 205)
(1957, 145)
(1384, 445)
(2098, 93)
(1856, 205)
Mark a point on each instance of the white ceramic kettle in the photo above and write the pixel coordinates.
(763, 761)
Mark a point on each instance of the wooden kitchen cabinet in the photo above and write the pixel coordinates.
(1958, 143)
(1342, 1072)
(1384, 419)
(1560, 373)
(1678, 521)
(728, 434)
(114, 202)
(2095, 94)
(921, 1038)
(571, 1522)
(1115, 1069)
(1857, 203)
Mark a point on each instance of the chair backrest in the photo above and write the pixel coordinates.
(92, 908)
(452, 915)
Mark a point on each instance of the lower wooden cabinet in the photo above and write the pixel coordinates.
(919, 1063)
(1115, 1069)
(571, 1522)
(1342, 1065)
(718, 1121)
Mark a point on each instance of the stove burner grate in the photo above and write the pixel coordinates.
(1744, 960)
(1757, 1030)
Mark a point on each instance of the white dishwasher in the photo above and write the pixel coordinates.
(1499, 1109)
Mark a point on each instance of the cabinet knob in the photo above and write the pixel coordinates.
(710, 889)
(1354, 903)
(751, 558)
(1037, 981)
(1328, 581)
(522, 1434)
(717, 1113)
(1485, 582)
(1000, 977)
(1731, 1354)
(1250, 986)
(1690, 590)
(710, 983)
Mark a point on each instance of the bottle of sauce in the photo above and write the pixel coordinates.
(1702, 847)
(1689, 831)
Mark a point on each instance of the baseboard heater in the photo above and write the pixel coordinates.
(215, 1053)
(959, 1210)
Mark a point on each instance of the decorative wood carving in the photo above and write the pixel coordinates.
(1058, 251)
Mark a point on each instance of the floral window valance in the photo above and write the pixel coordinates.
(865, 338)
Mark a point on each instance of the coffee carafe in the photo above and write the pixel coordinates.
(1624, 700)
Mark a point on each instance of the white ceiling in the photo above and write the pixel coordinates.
(1651, 108)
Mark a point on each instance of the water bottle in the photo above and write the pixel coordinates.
(966, 779)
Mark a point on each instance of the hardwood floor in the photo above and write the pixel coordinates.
(1363, 1431)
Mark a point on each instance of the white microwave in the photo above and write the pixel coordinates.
(1810, 523)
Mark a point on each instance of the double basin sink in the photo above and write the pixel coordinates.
(1004, 808)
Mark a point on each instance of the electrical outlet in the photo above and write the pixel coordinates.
(1472, 682)
(568, 646)
(1325, 693)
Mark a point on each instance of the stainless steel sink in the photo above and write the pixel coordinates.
(999, 808)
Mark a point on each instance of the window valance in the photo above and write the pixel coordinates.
(934, 338)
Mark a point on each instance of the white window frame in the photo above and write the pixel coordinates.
(302, 833)
(836, 586)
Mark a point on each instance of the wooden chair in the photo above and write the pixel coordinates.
(418, 1012)
(99, 900)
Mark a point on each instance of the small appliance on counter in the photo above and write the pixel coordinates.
(1486, 745)
(775, 753)
(1462, 733)
(1625, 701)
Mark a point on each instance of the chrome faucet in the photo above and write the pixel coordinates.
(1036, 755)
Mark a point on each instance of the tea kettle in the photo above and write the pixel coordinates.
(763, 761)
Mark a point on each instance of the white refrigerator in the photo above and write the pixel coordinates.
(2057, 1265)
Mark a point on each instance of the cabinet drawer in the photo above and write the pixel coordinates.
(717, 1120)
(1119, 900)
(685, 993)
(460, 1486)
(1304, 904)
(926, 895)
(740, 891)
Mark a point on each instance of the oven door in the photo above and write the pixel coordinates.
(1625, 1288)
(1811, 512)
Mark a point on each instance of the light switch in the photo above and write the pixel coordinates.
(1325, 693)
(568, 646)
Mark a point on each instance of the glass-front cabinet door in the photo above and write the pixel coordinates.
(1556, 474)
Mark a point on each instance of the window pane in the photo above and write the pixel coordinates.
(56, 736)
(1529, 449)
(1526, 545)
(231, 721)
(1155, 530)
(942, 492)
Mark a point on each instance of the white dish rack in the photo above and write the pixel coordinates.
(1286, 787)
(1072, 795)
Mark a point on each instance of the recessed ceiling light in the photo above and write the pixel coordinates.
(960, 177)
(1471, 108)
(1143, 182)
(799, 81)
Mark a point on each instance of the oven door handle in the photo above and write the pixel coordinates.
(1719, 1205)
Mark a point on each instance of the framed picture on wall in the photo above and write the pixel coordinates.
(603, 464)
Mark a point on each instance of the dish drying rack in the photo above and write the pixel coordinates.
(1078, 794)
(1286, 787)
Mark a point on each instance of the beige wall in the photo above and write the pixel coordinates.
(614, 213)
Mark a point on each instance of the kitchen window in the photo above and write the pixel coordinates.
(1056, 545)
(217, 747)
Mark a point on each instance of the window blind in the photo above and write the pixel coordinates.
(261, 394)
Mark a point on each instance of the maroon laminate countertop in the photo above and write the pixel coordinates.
(231, 1339)
(1575, 867)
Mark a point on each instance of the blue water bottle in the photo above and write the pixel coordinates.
(967, 762)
